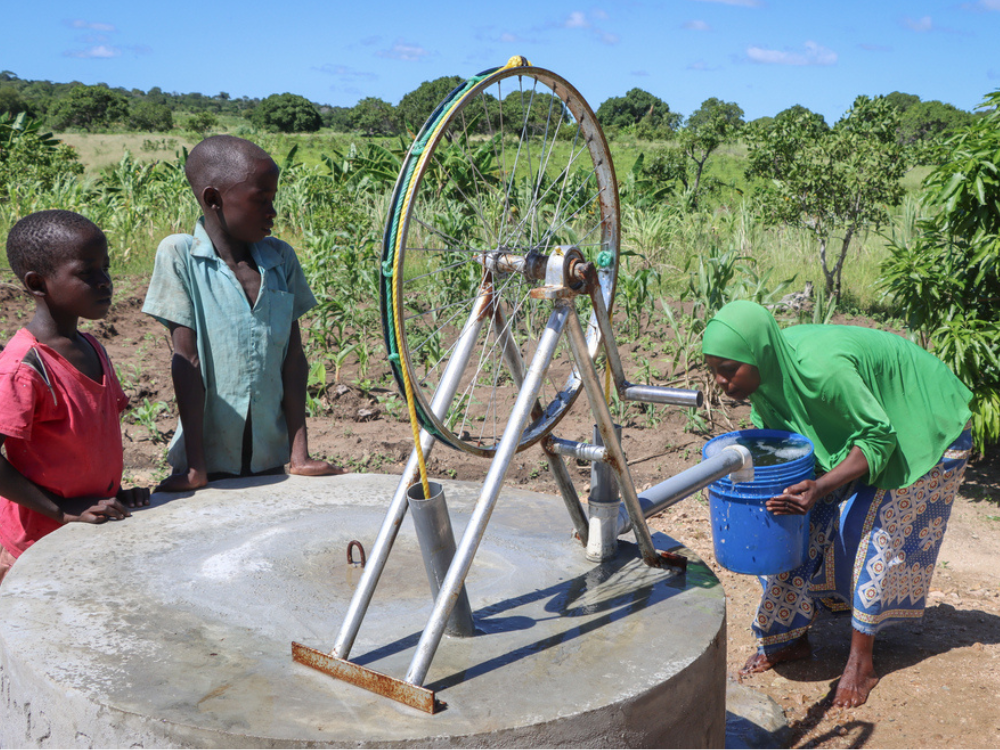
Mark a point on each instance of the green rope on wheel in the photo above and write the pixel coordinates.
(392, 315)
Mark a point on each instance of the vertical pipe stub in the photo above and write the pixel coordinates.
(437, 545)
(603, 505)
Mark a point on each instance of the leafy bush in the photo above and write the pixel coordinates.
(287, 113)
(946, 277)
(30, 157)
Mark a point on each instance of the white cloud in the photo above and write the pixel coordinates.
(576, 20)
(401, 50)
(918, 24)
(743, 3)
(101, 51)
(609, 38)
(813, 54)
(701, 66)
(79, 23)
(697, 25)
(599, 14)
(344, 72)
(509, 38)
(982, 5)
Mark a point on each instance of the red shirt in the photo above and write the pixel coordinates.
(63, 435)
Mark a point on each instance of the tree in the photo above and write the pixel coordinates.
(631, 109)
(946, 277)
(90, 108)
(287, 113)
(336, 118)
(818, 122)
(925, 121)
(11, 102)
(840, 180)
(415, 107)
(373, 116)
(202, 122)
(150, 117)
(27, 156)
(902, 101)
(711, 125)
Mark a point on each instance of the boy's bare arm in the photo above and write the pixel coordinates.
(294, 377)
(16, 487)
(189, 388)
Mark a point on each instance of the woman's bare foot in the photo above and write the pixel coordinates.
(313, 467)
(859, 678)
(798, 649)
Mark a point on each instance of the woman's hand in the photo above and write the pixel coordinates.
(796, 500)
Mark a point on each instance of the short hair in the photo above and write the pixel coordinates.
(220, 161)
(37, 242)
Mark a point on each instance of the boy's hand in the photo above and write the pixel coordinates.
(192, 479)
(85, 510)
(313, 467)
(134, 497)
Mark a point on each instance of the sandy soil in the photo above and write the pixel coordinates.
(940, 682)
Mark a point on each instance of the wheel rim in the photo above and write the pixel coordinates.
(484, 183)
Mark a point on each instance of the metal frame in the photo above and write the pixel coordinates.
(578, 278)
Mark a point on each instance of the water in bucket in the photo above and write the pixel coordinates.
(747, 537)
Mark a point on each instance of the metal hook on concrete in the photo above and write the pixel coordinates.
(361, 551)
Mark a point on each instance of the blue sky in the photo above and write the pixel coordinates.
(764, 55)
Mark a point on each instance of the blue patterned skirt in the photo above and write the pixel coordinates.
(872, 553)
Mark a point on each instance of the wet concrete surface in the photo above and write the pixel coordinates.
(174, 628)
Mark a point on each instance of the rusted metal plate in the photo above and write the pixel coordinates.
(376, 682)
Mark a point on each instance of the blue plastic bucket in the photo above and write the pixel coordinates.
(747, 538)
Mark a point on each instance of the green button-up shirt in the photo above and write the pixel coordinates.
(242, 348)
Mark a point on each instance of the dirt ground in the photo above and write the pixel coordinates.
(940, 682)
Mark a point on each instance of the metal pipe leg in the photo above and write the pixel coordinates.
(605, 423)
(430, 639)
(568, 492)
(397, 508)
(375, 564)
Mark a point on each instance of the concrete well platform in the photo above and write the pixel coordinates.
(174, 628)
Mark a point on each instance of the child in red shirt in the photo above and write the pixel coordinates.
(60, 400)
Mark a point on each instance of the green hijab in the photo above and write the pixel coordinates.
(845, 386)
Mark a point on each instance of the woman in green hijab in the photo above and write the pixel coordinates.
(889, 424)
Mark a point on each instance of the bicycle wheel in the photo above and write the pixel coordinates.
(512, 164)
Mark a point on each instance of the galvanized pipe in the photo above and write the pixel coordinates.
(607, 335)
(568, 492)
(372, 571)
(437, 545)
(574, 449)
(655, 394)
(730, 459)
(430, 639)
(605, 423)
(603, 505)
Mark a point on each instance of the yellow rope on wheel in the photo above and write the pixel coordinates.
(396, 318)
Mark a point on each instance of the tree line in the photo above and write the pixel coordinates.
(99, 107)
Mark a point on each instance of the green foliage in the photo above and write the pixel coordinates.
(838, 181)
(90, 108)
(287, 113)
(635, 107)
(202, 122)
(415, 107)
(946, 276)
(150, 117)
(373, 116)
(29, 157)
(711, 125)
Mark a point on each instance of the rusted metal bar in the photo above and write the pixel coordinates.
(375, 682)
